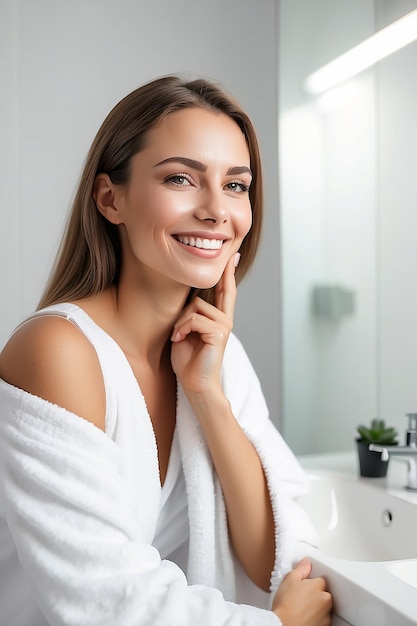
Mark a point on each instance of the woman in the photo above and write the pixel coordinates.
(174, 465)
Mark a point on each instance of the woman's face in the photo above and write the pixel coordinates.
(186, 208)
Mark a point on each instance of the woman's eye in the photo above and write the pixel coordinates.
(238, 186)
(181, 180)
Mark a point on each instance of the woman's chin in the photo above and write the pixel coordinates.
(205, 285)
(207, 281)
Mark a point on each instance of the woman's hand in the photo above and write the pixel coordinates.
(303, 601)
(200, 335)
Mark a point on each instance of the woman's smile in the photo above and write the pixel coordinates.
(203, 245)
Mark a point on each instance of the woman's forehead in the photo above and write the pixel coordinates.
(200, 131)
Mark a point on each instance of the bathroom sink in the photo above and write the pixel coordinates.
(367, 541)
(357, 521)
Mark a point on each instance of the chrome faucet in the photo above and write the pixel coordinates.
(408, 452)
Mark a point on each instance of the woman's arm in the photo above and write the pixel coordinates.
(249, 511)
(199, 340)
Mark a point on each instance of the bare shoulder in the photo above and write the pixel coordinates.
(50, 357)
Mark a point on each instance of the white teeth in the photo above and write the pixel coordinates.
(206, 244)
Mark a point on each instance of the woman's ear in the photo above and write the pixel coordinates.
(104, 194)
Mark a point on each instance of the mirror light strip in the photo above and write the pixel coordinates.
(378, 46)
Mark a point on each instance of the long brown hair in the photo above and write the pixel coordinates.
(89, 257)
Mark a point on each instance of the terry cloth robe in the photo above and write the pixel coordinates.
(79, 507)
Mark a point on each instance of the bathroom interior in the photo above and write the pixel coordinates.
(333, 295)
(348, 271)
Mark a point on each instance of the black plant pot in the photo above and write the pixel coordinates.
(371, 464)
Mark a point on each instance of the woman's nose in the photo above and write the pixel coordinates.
(213, 207)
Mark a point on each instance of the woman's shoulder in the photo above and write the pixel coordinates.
(48, 356)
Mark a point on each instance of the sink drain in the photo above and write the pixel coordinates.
(386, 518)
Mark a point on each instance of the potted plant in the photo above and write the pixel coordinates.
(370, 462)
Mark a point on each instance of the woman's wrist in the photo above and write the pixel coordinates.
(211, 405)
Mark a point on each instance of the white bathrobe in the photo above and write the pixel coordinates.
(79, 507)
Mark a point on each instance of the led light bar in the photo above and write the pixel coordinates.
(364, 55)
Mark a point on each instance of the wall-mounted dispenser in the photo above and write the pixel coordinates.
(333, 302)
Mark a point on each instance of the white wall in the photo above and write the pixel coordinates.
(10, 264)
(63, 65)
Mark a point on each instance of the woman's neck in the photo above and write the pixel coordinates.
(139, 314)
(146, 318)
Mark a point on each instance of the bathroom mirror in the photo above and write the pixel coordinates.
(348, 194)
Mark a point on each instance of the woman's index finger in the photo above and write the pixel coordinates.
(226, 288)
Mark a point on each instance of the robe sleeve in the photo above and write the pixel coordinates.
(285, 477)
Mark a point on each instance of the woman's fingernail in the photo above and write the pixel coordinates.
(176, 336)
(237, 259)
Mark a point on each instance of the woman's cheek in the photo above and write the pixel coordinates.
(247, 223)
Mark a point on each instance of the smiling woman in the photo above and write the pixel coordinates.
(142, 481)
(90, 263)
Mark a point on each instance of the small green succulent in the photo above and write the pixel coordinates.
(378, 433)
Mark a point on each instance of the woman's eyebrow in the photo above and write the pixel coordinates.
(201, 167)
(239, 170)
(196, 165)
